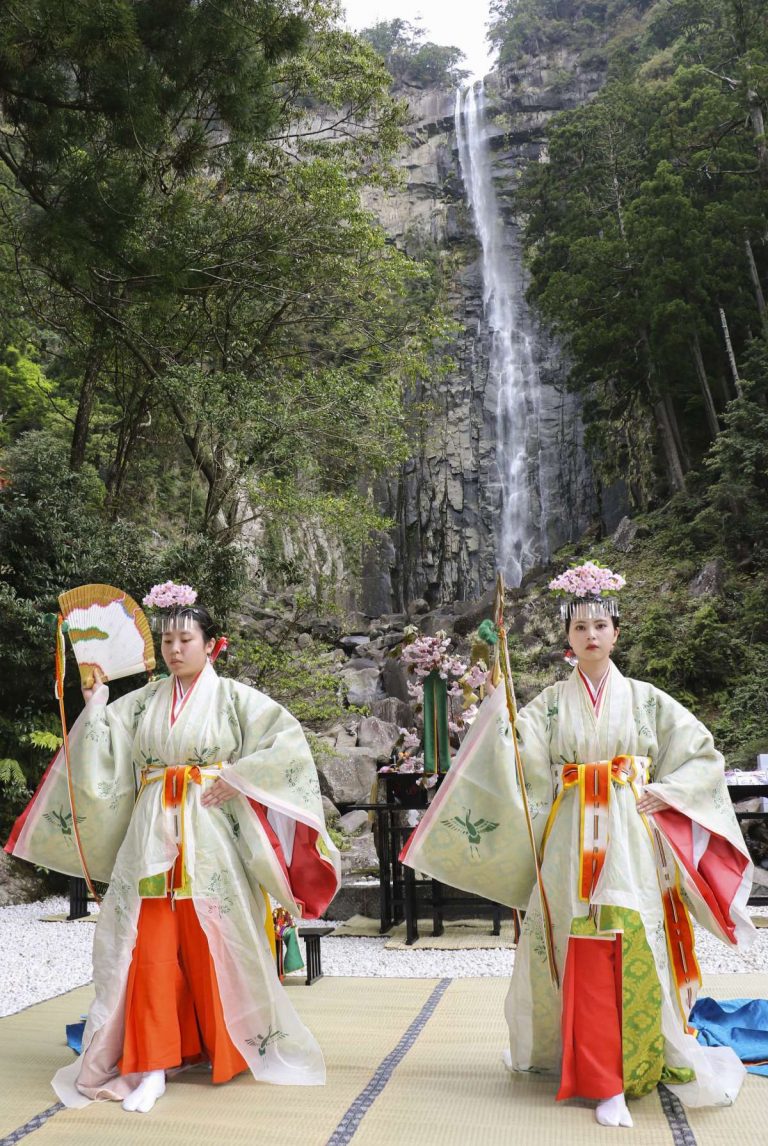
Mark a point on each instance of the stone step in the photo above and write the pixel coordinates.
(357, 897)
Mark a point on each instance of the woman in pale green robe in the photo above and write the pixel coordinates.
(251, 822)
(672, 826)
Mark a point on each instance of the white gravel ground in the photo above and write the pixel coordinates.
(40, 960)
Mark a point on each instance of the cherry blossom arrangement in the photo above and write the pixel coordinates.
(169, 595)
(587, 580)
(421, 656)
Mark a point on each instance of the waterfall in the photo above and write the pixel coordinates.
(520, 497)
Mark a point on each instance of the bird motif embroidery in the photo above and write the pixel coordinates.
(473, 832)
(263, 1041)
(62, 820)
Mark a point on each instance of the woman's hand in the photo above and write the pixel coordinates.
(490, 687)
(218, 793)
(649, 803)
(98, 680)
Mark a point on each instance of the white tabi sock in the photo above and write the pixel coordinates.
(613, 1112)
(146, 1094)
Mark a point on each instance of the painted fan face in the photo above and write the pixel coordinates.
(108, 631)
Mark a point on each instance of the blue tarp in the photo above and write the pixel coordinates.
(738, 1023)
(75, 1036)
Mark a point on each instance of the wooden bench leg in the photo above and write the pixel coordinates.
(78, 898)
(437, 908)
(411, 907)
(314, 965)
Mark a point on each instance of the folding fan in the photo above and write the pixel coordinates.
(108, 631)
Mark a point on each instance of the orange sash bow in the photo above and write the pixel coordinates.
(176, 780)
(595, 785)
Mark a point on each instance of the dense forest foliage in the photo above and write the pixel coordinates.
(647, 228)
(203, 336)
(411, 59)
(647, 244)
(591, 29)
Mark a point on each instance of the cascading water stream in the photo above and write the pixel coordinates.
(520, 535)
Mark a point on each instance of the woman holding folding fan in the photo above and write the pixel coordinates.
(196, 798)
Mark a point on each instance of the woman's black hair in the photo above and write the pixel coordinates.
(204, 619)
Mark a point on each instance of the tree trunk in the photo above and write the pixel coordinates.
(709, 404)
(722, 387)
(760, 297)
(669, 445)
(192, 441)
(676, 435)
(214, 465)
(85, 407)
(126, 444)
(731, 355)
(758, 126)
(666, 422)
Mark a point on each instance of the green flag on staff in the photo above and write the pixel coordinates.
(437, 748)
(292, 960)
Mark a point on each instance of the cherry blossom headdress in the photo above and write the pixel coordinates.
(171, 606)
(587, 591)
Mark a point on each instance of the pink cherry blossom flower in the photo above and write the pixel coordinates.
(168, 595)
(411, 738)
(587, 580)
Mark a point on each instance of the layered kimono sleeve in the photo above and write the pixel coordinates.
(700, 825)
(474, 836)
(276, 774)
(101, 748)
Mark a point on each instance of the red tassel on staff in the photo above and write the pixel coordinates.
(221, 645)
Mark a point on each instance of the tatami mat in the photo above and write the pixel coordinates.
(449, 1087)
(356, 1021)
(32, 1048)
(458, 935)
(453, 1089)
(62, 917)
(358, 927)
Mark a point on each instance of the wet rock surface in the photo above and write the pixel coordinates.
(445, 499)
(19, 882)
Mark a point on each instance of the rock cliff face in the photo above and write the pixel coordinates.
(445, 499)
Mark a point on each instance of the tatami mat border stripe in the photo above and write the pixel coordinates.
(682, 1135)
(33, 1124)
(354, 1115)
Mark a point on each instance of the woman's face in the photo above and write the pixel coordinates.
(592, 640)
(185, 650)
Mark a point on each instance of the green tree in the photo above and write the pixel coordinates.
(108, 111)
(185, 205)
(411, 59)
(54, 536)
(586, 279)
(534, 27)
(735, 512)
(646, 238)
